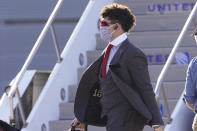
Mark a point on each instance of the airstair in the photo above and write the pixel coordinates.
(159, 23)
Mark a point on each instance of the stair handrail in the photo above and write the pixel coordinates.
(14, 86)
(35, 48)
(171, 56)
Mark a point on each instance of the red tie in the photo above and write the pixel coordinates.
(104, 63)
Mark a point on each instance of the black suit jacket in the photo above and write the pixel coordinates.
(129, 70)
(6, 127)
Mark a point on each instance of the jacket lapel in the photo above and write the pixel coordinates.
(117, 56)
(96, 66)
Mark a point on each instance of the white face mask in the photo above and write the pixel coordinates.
(105, 35)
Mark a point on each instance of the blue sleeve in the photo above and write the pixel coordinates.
(190, 94)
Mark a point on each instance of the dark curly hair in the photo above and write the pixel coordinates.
(121, 14)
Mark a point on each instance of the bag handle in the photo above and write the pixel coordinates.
(73, 128)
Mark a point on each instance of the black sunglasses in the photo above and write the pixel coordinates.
(104, 23)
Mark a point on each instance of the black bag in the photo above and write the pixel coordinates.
(6, 127)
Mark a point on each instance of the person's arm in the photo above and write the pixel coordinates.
(190, 106)
(189, 95)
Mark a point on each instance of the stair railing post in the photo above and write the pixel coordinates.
(12, 120)
(55, 43)
(166, 104)
(21, 109)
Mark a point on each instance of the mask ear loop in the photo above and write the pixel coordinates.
(112, 32)
(115, 28)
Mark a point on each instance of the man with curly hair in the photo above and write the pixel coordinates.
(115, 91)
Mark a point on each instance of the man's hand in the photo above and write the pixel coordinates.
(191, 106)
(159, 128)
(77, 124)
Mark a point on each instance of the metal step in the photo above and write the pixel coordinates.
(140, 7)
(173, 90)
(161, 22)
(66, 111)
(70, 94)
(153, 39)
(154, 56)
(175, 73)
(59, 125)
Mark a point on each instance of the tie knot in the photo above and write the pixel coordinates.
(109, 46)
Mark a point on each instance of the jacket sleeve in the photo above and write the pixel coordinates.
(190, 85)
(138, 70)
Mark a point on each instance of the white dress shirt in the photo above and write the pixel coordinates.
(116, 44)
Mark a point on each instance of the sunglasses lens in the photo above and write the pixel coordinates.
(103, 23)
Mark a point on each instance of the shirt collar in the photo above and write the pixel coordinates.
(118, 40)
